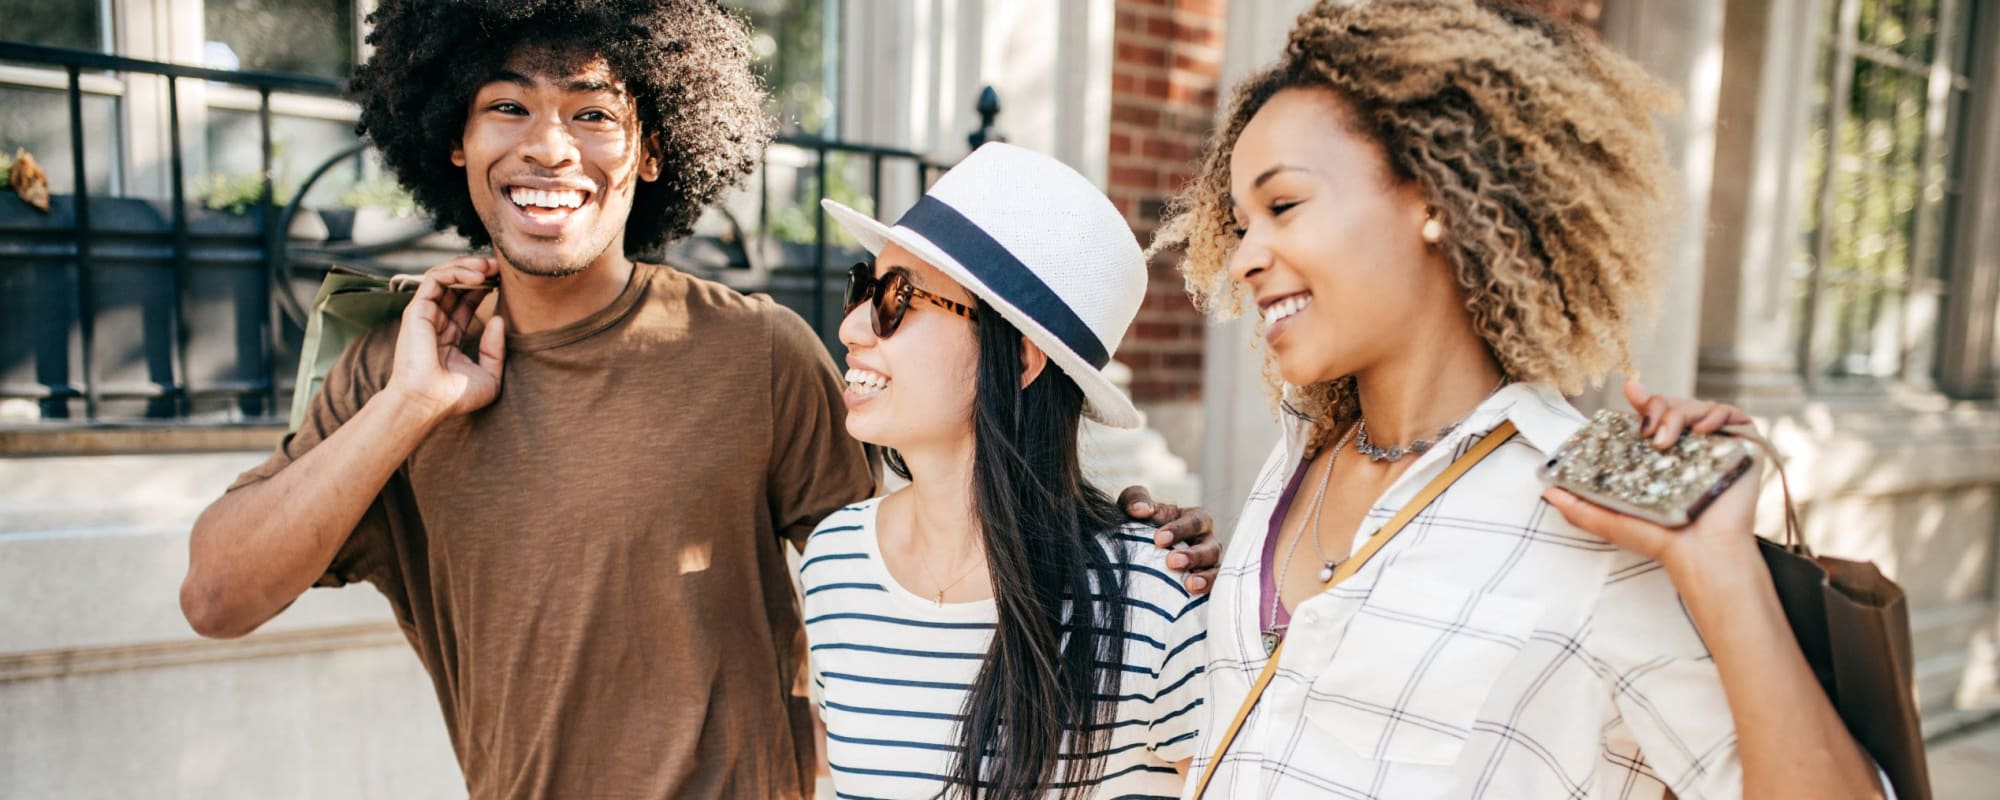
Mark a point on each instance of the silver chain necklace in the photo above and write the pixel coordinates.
(1327, 565)
(1416, 447)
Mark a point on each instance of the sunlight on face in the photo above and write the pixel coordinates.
(915, 387)
(1331, 246)
(552, 162)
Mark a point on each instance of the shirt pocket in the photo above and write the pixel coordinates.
(1415, 664)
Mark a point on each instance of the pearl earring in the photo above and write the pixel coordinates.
(1433, 231)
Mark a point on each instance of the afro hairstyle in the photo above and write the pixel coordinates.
(686, 64)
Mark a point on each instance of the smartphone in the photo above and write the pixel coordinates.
(1609, 463)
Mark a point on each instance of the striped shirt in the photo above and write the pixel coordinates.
(893, 669)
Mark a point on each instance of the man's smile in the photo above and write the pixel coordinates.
(543, 208)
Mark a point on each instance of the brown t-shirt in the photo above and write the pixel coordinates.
(592, 568)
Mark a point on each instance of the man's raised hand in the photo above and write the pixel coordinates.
(430, 367)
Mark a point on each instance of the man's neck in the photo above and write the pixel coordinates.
(536, 303)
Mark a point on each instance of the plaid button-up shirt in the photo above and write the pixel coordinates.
(1490, 650)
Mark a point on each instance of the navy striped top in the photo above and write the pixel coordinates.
(892, 669)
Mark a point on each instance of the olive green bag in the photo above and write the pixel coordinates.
(349, 303)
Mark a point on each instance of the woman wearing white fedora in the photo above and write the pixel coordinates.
(994, 627)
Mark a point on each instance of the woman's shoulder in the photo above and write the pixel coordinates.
(1148, 579)
(850, 519)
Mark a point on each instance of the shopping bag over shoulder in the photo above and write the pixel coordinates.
(1853, 625)
(349, 303)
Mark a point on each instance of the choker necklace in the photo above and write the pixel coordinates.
(1416, 447)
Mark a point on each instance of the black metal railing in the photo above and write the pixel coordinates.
(221, 300)
(74, 234)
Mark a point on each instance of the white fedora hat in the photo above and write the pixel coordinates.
(1038, 242)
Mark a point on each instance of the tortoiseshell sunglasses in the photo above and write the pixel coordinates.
(892, 294)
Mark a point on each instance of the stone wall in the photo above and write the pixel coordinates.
(106, 693)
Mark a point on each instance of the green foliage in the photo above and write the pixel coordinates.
(789, 40)
(235, 193)
(793, 222)
(6, 167)
(379, 191)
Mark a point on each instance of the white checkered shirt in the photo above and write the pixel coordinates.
(1490, 650)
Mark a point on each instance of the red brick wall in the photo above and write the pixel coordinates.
(1165, 72)
(1165, 81)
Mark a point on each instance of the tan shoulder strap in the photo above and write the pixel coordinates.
(1795, 534)
(1444, 480)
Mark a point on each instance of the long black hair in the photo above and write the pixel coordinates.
(1039, 715)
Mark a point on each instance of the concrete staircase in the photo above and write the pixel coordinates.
(105, 692)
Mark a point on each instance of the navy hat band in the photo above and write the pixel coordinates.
(996, 266)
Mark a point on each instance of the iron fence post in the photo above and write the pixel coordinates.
(86, 298)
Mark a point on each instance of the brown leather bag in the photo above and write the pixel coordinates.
(1853, 625)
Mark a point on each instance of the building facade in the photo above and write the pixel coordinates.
(1835, 269)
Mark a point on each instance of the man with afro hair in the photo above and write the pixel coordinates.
(588, 556)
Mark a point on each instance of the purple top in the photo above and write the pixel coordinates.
(1265, 579)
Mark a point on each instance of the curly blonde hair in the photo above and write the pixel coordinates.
(1535, 144)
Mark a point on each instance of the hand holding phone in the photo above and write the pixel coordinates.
(1610, 462)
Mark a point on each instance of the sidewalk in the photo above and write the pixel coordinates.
(1966, 766)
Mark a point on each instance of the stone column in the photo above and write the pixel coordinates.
(912, 71)
(1681, 45)
(1238, 426)
(1967, 367)
(1747, 353)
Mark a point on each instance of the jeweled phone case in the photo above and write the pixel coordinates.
(1609, 463)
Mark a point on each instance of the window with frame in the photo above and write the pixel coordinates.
(79, 25)
(312, 37)
(37, 98)
(1883, 163)
(796, 47)
(795, 43)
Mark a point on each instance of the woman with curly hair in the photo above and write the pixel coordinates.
(1446, 213)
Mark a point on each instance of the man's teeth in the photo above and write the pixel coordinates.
(546, 198)
(864, 379)
(1286, 307)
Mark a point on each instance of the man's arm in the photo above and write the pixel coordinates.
(258, 547)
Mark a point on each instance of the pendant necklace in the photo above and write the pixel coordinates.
(1327, 565)
(954, 581)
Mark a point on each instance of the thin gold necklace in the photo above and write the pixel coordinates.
(954, 582)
